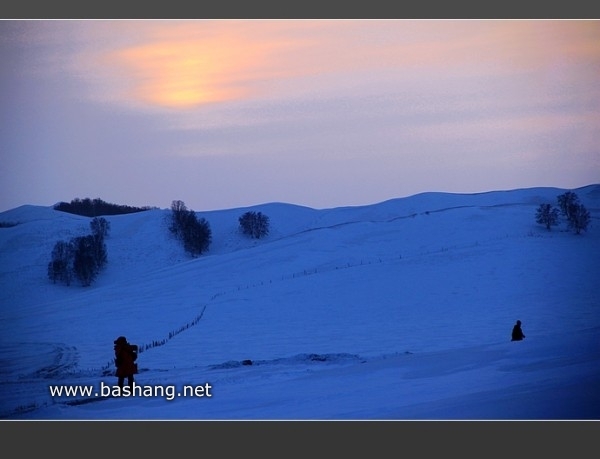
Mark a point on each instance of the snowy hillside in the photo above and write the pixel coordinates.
(396, 310)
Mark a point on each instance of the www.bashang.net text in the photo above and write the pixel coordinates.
(168, 392)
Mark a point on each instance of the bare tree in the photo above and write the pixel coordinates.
(254, 224)
(100, 227)
(547, 215)
(195, 233)
(580, 218)
(567, 202)
(60, 267)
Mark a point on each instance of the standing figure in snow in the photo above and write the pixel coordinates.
(125, 357)
(517, 333)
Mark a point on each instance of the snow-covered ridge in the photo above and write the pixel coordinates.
(410, 281)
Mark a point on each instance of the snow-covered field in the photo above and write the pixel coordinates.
(393, 311)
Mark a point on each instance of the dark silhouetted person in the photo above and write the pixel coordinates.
(125, 355)
(517, 333)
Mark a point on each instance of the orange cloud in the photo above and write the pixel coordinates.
(185, 65)
(193, 63)
(182, 74)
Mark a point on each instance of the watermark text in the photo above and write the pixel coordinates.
(168, 392)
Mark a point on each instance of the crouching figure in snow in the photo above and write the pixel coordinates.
(517, 333)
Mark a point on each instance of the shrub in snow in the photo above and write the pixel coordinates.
(547, 215)
(195, 233)
(254, 224)
(578, 217)
(82, 258)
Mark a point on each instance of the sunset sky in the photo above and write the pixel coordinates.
(320, 113)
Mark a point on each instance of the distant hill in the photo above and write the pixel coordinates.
(432, 281)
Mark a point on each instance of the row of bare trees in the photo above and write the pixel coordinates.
(196, 234)
(569, 207)
(81, 257)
